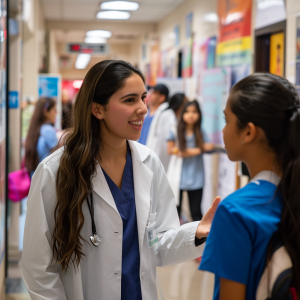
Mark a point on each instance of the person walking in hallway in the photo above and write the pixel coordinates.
(157, 123)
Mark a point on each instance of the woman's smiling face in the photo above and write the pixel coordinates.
(124, 114)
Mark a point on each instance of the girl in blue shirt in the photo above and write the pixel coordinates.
(41, 137)
(192, 142)
(262, 130)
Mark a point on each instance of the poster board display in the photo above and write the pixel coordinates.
(215, 87)
(49, 85)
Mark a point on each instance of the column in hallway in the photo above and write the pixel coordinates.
(15, 41)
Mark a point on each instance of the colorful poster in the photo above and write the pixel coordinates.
(211, 52)
(215, 87)
(298, 38)
(277, 54)
(234, 45)
(227, 176)
(187, 70)
(154, 64)
(168, 63)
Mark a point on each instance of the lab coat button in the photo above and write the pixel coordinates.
(142, 274)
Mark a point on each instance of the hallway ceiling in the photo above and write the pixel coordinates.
(85, 10)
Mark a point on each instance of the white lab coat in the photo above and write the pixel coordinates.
(163, 120)
(99, 273)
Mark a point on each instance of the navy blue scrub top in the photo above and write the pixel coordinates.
(125, 202)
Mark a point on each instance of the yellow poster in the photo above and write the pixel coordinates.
(277, 54)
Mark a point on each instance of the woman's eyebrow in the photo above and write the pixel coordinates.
(132, 95)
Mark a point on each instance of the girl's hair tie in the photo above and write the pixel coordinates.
(293, 109)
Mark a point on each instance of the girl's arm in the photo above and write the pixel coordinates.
(232, 290)
(190, 152)
(208, 147)
(171, 148)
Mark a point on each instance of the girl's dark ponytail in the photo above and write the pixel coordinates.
(272, 103)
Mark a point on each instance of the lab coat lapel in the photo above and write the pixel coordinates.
(101, 187)
(142, 178)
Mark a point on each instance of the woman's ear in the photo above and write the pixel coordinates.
(250, 134)
(97, 110)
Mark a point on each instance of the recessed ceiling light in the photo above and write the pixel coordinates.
(120, 5)
(95, 40)
(113, 14)
(98, 33)
(82, 60)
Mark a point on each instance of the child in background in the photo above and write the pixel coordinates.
(262, 130)
(191, 143)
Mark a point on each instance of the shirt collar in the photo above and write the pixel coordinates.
(267, 176)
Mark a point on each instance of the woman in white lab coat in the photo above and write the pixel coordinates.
(101, 214)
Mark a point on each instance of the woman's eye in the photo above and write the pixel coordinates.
(129, 100)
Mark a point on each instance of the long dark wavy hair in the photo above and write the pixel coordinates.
(181, 127)
(79, 159)
(37, 120)
(272, 103)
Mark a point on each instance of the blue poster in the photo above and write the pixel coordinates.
(13, 99)
(48, 86)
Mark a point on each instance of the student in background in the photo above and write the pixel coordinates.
(41, 137)
(262, 130)
(159, 118)
(176, 103)
(186, 170)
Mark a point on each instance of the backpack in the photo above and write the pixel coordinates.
(276, 282)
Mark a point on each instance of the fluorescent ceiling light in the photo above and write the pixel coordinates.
(113, 14)
(82, 60)
(119, 5)
(98, 33)
(95, 40)
(211, 17)
(77, 84)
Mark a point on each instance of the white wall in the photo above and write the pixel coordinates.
(293, 8)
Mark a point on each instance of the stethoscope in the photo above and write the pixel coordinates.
(95, 239)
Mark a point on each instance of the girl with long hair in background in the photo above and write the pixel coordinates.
(263, 131)
(41, 137)
(188, 142)
(101, 213)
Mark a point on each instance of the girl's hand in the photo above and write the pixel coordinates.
(204, 226)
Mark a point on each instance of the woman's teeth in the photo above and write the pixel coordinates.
(139, 123)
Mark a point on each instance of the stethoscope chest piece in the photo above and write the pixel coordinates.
(96, 240)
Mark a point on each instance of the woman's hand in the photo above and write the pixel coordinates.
(204, 226)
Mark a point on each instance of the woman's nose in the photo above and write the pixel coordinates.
(142, 110)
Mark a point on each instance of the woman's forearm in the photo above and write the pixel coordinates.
(190, 152)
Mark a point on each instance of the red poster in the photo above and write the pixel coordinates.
(235, 19)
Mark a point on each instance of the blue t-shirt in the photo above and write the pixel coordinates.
(47, 141)
(236, 247)
(192, 173)
(125, 202)
(145, 129)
